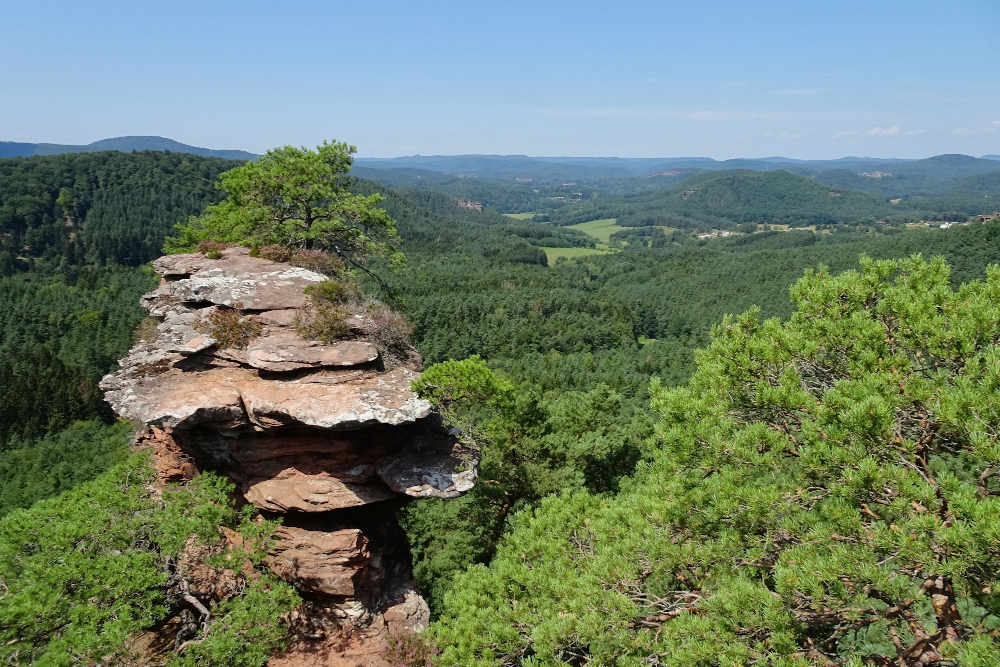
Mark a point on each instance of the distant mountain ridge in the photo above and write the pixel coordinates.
(122, 144)
(496, 165)
(886, 177)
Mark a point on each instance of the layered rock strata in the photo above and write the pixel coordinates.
(329, 436)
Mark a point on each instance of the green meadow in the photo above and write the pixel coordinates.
(600, 229)
(573, 253)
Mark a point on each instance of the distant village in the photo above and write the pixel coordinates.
(715, 234)
(946, 224)
(471, 205)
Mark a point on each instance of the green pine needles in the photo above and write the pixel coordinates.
(83, 572)
(295, 198)
(826, 491)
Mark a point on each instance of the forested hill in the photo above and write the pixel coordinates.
(941, 174)
(73, 231)
(570, 350)
(728, 198)
(769, 197)
(98, 208)
(124, 144)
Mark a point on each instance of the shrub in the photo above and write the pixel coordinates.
(325, 317)
(333, 292)
(325, 322)
(213, 249)
(331, 304)
(314, 260)
(145, 331)
(317, 260)
(411, 650)
(82, 572)
(389, 330)
(273, 252)
(229, 328)
(247, 629)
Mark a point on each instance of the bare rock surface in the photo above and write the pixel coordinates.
(289, 352)
(436, 465)
(336, 562)
(237, 396)
(328, 435)
(170, 461)
(235, 280)
(405, 613)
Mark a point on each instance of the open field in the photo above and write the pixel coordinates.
(573, 253)
(603, 229)
(600, 229)
(520, 216)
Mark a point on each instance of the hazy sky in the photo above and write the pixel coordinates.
(808, 78)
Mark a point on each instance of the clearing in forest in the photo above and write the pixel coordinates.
(573, 253)
(600, 229)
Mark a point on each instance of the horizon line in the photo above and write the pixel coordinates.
(529, 155)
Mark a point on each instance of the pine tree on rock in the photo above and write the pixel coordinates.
(296, 198)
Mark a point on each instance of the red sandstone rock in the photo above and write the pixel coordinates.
(335, 563)
(170, 462)
(320, 433)
(235, 280)
(289, 352)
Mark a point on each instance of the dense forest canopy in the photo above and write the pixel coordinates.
(822, 491)
(562, 354)
(98, 208)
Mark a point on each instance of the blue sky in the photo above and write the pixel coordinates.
(719, 78)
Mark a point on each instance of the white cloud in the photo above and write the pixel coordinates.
(879, 131)
(891, 131)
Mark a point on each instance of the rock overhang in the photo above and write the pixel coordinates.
(326, 435)
(182, 381)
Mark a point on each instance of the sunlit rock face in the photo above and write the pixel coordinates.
(329, 436)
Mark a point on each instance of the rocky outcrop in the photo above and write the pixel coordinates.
(327, 435)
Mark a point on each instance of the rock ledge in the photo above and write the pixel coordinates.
(327, 435)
